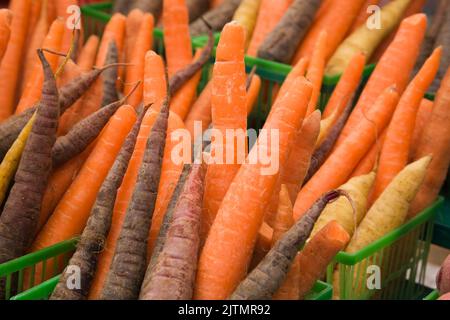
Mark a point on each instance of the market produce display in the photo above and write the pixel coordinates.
(141, 148)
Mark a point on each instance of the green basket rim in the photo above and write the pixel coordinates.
(33, 258)
(434, 295)
(353, 258)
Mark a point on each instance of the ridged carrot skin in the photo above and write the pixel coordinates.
(5, 30)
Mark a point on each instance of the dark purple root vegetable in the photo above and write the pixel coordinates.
(20, 216)
(94, 234)
(68, 95)
(267, 277)
(152, 6)
(129, 263)
(110, 76)
(214, 19)
(84, 132)
(320, 155)
(122, 6)
(196, 8)
(182, 76)
(173, 275)
(443, 40)
(282, 42)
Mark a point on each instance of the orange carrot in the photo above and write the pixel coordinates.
(36, 40)
(316, 69)
(155, 84)
(347, 85)
(298, 70)
(363, 14)
(229, 111)
(183, 99)
(340, 164)
(319, 253)
(114, 31)
(11, 64)
(200, 112)
(73, 210)
(412, 32)
(5, 30)
(35, 15)
(62, 12)
(435, 140)
(416, 6)
(423, 115)
(227, 251)
(33, 87)
(88, 54)
(177, 41)
(367, 164)
(270, 12)
(253, 92)
(135, 72)
(133, 24)
(395, 152)
(336, 20)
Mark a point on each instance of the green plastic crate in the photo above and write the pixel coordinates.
(401, 255)
(434, 295)
(55, 257)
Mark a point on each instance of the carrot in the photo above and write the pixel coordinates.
(422, 118)
(335, 20)
(36, 39)
(32, 89)
(443, 277)
(411, 31)
(155, 84)
(183, 75)
(177, 41)
(369, 162)
(133, 25)
(395, 151)
(21, 212)
(270, 13)
(363, 14)
(151, 6)
(316, 69)
(215, 19)
(36, 12)
(86, 58)
(299, 159)
(5, 30)
(11, 64)
(125, 276)
(242, 210)
(366, 38)
(196, 8)
(340, 164)
(262, 245)
(173, 276)
(114, 31)
(415, 7)
(62, 7)
(91, 241)
(347, 214)
(434, 140)
(298, 70)
(229, 111)
(83, 134)
(319, 253)
(324, 147)
(253, 92)
(246, 15)
(11, 160)
(215, 3)
(443, 40)
(347, 85)
(135, 72)
(72, 212)
(267, 277)
(162, 235)
(390, 209)
(110, 93)
(281, 43)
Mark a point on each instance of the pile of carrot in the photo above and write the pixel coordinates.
(105, 140)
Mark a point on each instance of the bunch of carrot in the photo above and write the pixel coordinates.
(97, 154)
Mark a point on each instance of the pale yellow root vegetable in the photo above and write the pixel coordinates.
(365, 39)
(342, 211)
(326, 125)
(246, 14)
(10, 162)
(390, 209)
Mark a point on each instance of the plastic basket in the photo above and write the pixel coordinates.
(55, 257)
(432, 296)
(401, 257)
